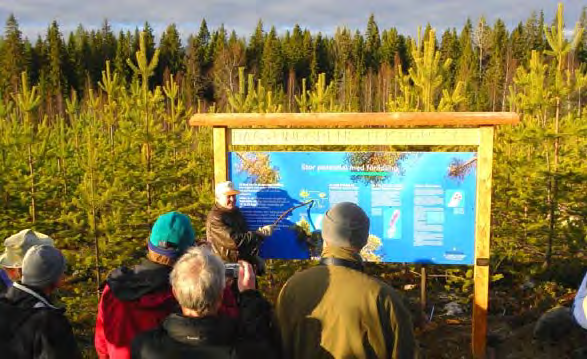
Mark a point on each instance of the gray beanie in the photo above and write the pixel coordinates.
(42, 266)
(346, 224)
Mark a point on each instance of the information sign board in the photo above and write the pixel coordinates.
(421, 204)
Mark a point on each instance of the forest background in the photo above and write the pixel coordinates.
(95, 144)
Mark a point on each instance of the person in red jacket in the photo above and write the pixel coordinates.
(138, 299)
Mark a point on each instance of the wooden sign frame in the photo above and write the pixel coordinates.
(424, 128)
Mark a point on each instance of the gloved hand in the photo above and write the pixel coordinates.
(266, 231)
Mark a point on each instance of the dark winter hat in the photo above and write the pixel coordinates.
(171, 235)
(345, 224)
(42, 266)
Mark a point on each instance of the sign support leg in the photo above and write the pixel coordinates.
(219, 136)
(482, 233)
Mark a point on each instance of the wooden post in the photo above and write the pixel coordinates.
(219, 136)
(482, 232)
(423, 295)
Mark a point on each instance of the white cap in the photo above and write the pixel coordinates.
(225, 188)
(17, 245)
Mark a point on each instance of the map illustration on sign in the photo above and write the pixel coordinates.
(421, 205)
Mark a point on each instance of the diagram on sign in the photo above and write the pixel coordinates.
(319, 198)
(393, 225)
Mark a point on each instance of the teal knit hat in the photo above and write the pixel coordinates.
(172, 234)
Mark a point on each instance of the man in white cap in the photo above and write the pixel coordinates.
(16, 246)
(227, 230)
(30, 325)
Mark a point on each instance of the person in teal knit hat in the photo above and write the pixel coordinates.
(171, 236)
(139, 298)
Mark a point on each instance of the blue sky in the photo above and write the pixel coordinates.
(242, 15)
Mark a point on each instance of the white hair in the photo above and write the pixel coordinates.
(198, 280)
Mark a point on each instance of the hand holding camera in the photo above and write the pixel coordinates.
(246, 277)
(243, 273)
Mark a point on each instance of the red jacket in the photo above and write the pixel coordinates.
(133, 301)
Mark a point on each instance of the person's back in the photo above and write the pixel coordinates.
(335, 310)
(174, 340)
(138, 299)
(200, 331)
(134, 300)
(30, 325)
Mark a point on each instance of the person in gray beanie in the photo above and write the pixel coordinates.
(43, 267)
(30, 325)
(336, 310)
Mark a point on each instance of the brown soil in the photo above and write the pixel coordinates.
(508, 338)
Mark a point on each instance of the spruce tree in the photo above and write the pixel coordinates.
(123, 52)
(372, 64)
(197, 65)
(272, 61)
(467, 67)
(171, 55)
(494, 79)
(450, 49)
(295, 58)
(255, 49)
(56, 56)
(13, 58)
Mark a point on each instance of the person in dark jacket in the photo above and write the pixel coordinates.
(5, 281)
(334, 310)
(138, 299)
(198, 280)
(30, 325)
(15, 247)
(227, 230)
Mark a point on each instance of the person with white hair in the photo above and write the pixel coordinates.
(227, 230)
(197, 281)
(335, 310)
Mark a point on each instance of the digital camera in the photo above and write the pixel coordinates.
(231, 270)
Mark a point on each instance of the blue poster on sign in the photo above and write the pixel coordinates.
(421, 204)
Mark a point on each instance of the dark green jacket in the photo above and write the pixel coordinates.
(339, 312)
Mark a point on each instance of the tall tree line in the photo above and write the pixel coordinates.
(365, 66)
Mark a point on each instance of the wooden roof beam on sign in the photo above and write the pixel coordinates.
(350, 119)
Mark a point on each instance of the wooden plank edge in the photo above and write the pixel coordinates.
(350, 119)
